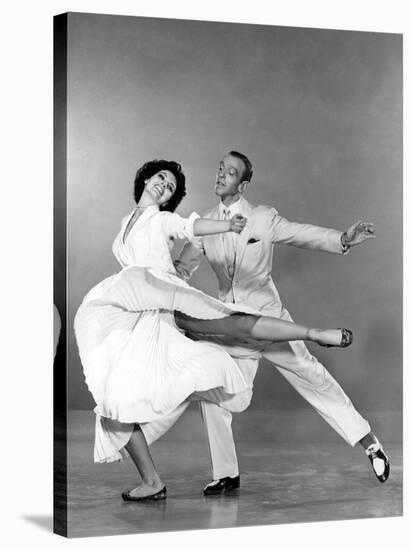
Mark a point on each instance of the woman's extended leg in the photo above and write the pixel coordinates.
(259, 327)
(138, 450)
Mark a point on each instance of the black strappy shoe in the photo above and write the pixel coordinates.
(379, 461)
(160, 495)
(346, 339)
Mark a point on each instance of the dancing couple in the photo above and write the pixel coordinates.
(149, 342)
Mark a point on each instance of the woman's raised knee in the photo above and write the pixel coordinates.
(244, 323)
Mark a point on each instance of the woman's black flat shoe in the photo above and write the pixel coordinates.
(346, 339)
(160, 495)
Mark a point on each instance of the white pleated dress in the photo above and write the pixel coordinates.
(138, 365)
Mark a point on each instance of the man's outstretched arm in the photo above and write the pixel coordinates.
(318, 238)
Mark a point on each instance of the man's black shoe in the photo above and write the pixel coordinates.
(222, 486)
(379, 461)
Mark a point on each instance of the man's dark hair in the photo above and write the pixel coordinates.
(247, 175)
(151, 168)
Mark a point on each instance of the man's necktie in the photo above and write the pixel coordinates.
(229, 246)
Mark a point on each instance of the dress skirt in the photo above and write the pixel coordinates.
(138, 365)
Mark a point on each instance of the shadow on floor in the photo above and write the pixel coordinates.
(44, 522)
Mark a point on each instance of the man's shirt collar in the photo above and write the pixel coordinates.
(235, 208)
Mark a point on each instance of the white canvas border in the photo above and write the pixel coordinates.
(27, 267)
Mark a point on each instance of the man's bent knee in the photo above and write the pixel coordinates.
(238, 402)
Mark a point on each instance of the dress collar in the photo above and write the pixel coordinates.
(144, 213)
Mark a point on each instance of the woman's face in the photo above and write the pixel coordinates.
(161, 186)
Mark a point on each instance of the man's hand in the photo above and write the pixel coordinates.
(357, 234)
(237, 223)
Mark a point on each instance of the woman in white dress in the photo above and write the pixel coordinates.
(137, 362)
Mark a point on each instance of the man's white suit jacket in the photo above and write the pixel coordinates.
(252, 283)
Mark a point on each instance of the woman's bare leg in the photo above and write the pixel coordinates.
(138, 450)
(242, 326)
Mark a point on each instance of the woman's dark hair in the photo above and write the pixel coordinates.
(151, 168)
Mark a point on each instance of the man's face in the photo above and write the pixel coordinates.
(229, 176)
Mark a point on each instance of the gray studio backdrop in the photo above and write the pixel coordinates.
(319, 112)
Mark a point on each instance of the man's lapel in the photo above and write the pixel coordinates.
(242, 239)
(214, 244)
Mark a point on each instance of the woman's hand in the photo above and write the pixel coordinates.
(237, 223)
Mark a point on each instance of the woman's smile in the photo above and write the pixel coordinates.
(158, 189)
(161, 186)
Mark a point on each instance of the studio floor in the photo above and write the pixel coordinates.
(281, 482)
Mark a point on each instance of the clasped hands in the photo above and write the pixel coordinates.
(237, 223)
(357, 234)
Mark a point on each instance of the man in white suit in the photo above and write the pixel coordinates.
(243, 264)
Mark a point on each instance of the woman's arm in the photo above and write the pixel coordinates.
(205, 226)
